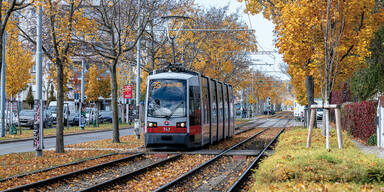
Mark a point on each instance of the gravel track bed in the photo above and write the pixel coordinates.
(56, 172)
(249, 126)
(260, 141)
(218, 176)
(159, 176)
(83, 181)
(234, 139)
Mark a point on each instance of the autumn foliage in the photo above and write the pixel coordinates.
(300, 38)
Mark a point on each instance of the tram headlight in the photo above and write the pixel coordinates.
(180, 125)
(152, 124)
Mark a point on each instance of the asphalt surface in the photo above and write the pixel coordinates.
(25, 146)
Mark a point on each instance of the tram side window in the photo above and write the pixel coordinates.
(194, 105)
(205, 99)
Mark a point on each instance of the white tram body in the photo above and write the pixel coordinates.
(187, 110)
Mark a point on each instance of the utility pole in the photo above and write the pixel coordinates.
(39, 61)
(2, 103)
(82, 94)
(137, 120)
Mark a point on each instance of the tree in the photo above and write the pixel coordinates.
(98, 85)
(51, 95)
(19, 64)
(64, 20)
(369, 81)
(300, 26)
(7, 8)
(117, 34)
(30, 99)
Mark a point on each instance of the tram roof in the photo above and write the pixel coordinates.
(172, 75)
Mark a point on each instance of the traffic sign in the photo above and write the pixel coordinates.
(127, 91)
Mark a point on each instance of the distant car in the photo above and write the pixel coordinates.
(27, 117)
(52, 109)
(106, 116)
(269, 111)
(74, 119)
(319, 114)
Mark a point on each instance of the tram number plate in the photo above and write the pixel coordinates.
(167, 129)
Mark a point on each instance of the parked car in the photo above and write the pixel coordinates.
(66, 112)
(74, 119)
(105, 116)
(27, 118)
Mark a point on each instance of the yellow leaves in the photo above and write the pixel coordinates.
(19, 62)
(300, 35)
(98, 84)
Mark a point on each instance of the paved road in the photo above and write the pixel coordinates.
(26, 146)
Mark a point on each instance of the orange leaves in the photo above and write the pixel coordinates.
(18, 163)
(97, 85)
(299, 25)
(19, 62)
(126, 142)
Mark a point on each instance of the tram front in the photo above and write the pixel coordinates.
(166, 114)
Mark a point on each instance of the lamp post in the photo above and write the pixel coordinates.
(2, 102)
(39, 61)
(137, 119)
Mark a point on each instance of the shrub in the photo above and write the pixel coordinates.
(372, 140)
(359, 119)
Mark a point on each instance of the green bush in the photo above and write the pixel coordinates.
(372, 140)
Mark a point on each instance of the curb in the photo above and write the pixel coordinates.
(52, 136)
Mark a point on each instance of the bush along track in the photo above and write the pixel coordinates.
(293, 167)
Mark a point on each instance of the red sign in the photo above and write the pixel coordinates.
(127, 91)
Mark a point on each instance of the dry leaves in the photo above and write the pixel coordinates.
(26, 162)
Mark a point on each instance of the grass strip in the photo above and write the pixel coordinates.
(293, 167)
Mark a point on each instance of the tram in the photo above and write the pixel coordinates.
(185, 109)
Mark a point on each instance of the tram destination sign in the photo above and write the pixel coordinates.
(127, 92)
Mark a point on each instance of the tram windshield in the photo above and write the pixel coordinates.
(167, 98)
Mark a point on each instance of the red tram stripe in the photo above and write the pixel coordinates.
(195, 129)
(166, 129)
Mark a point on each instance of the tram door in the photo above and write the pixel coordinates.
(225, 113)
(194, 111)
(206, 110)
(213, 107)
(230, 111)
(220, 131)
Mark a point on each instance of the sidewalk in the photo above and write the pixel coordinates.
(370, 149)
(68, 134)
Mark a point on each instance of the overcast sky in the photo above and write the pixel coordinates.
(264, 32)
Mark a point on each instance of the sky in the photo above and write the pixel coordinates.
(263, 30)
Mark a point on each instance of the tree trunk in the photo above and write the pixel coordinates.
(115, 121)
(59, 109)
(309, 85)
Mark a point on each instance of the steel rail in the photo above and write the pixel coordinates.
(128, 175)
(58, 166)
(236, 186)
(64, 176)
(172, 183)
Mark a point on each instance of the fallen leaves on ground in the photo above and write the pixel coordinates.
(159, 176)
(26, 162)
(234, 139)
(126, 142)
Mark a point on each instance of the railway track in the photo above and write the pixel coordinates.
(105, 175)
(203, 178)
